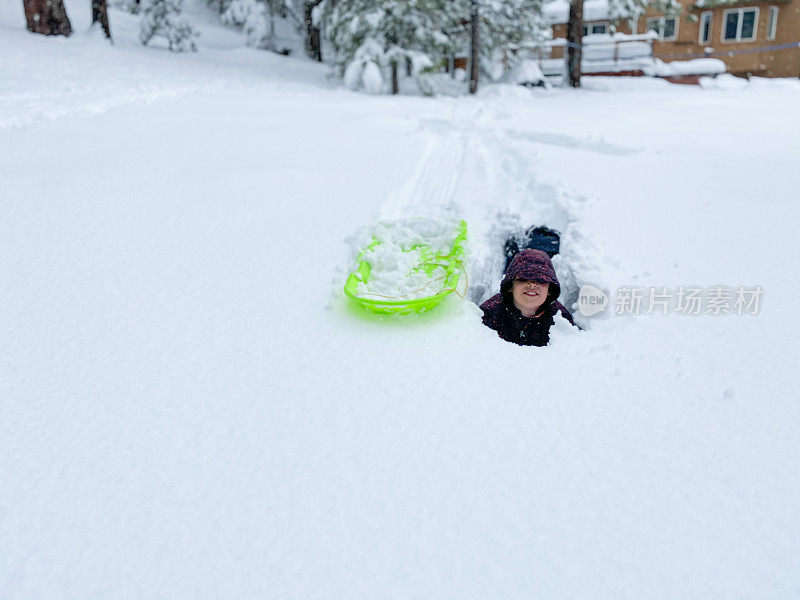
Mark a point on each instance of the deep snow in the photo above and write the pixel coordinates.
(190, 408)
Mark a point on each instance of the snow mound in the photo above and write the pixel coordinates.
(363, 75)
(777, 83)
(697, 66)
(723, 82)
(45, 79)
(732, 83)
(372, 79)
(526, 72)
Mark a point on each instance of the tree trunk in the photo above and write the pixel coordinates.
(271, 39)
(313, 37)
(395, 81)
(474, 49)
(100, 15)
(48, 17)
(574, 42)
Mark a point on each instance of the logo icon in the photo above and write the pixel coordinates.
(591, 300)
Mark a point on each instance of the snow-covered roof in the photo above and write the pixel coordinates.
(557, 11)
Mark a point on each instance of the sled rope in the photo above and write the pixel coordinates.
(466, 278)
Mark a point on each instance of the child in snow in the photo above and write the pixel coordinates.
(523, 311)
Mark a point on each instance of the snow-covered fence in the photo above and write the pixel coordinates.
(616, 54)
(600, 50)
(602, 53)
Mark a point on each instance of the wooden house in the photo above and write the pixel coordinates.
(760, 38)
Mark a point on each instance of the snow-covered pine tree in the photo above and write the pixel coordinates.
(220, 5)
(129, 6)
(257, 19)
(508, 23)
(386, 33)
(163, 18)
(503, 25)
(619, 10)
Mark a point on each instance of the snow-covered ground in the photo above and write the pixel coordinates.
(190, 408)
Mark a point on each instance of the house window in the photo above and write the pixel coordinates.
(665, 27)
(591, 28)
(772, 23)
(706, 21)
(740, 25)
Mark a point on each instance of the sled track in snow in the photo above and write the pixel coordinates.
(488, 177)
(430, 189)
(508, 200)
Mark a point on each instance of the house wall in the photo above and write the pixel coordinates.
(776, 63)
(559, 31)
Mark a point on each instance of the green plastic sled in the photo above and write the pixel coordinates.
(451, 263)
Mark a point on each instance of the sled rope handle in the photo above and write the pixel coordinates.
(424, 287)
(463, 270)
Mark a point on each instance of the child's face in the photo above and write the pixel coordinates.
(529, 296)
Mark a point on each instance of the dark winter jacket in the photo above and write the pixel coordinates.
(499, 311)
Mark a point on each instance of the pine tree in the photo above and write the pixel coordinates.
(423, 33)
(508, 23)
(574, 43)
(163, 18)
(387, 33)
(220, 5)
(256, 18)
(312, 32)
(633, 9)
(129, 6)
(502, 25)
(100, 15)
